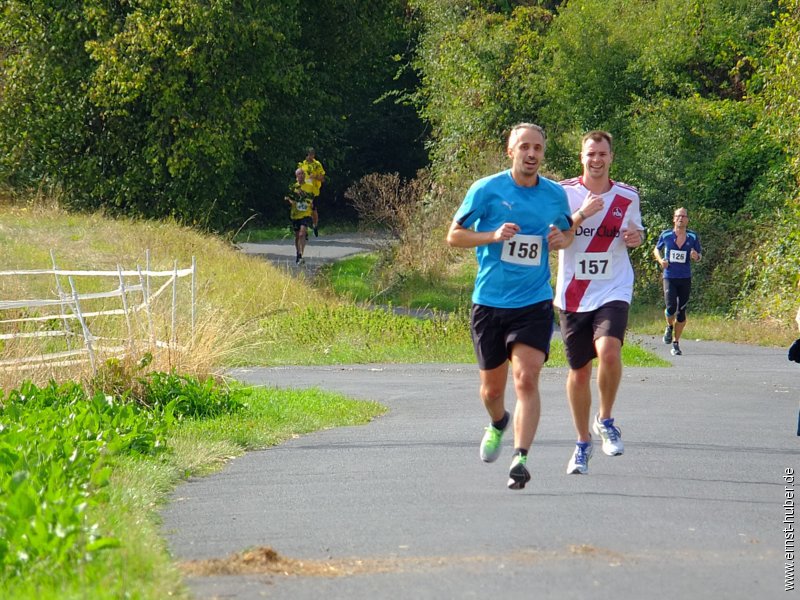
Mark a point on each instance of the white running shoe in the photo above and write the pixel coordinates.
(579, 463)
(611, 436)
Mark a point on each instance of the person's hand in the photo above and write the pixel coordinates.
(694, 254)
(505, 232)
(794, 351)
(632, 237)
(663, 262)
(556, 240)
(592, 204)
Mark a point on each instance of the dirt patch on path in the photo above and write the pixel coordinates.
(264, 560)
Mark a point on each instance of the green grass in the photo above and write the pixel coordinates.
(647, 319)
(351, 334)
(357, 278)
(352, 277)
(140, 485)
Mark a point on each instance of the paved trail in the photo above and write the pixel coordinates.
(319, 251)
(403, 507)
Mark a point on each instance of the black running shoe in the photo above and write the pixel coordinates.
(518, 476)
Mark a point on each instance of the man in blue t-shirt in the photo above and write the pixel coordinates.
(513, 219)
(674, 251)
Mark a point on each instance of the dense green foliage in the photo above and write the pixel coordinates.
(700, 96)
(197, 110)
(58, 445)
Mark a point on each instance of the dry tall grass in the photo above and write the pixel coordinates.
(233, 291)
(419, 212)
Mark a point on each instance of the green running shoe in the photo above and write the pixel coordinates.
(491, 443)
(518, 475)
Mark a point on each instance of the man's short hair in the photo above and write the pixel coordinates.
(514, 133)
(310, 150)
(598, 135)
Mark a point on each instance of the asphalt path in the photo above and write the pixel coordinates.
(318, 251)
(403, 507)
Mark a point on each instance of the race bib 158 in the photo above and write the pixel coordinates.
(523, 250)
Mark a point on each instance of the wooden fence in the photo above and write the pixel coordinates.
(71, 315)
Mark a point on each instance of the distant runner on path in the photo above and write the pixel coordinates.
(314, 176)
(513, 219)
(674, 251)
(302, 204)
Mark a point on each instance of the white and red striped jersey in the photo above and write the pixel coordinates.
(595, 268)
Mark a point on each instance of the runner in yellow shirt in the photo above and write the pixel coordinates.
(302, 206)
(314, 175)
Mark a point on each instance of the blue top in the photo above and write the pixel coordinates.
(679, 266)
(514, 273)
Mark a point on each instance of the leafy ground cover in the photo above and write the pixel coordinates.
(82, 474)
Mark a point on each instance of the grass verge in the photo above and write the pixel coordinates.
(649, 320)
(360, 278)
(125, 510)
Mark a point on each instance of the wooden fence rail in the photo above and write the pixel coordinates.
(66, 316)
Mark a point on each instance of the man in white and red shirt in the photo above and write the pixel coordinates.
(593, 292)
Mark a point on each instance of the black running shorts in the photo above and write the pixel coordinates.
(496, 330)
(579, 330)
(298, 223)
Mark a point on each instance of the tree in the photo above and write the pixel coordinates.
(474, 63)
(196, 109)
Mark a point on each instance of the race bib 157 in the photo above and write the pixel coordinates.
(593, 265)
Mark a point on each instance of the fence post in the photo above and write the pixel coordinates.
(147, 269)
(194, 284)
(124, 295)
(61, 296)
(146, 296)
(174, 336)
(87, 335)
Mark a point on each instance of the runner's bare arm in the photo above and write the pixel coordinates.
(461, 237)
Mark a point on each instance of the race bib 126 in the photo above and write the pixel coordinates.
(677, 256)
(523, 250)
(593, 265)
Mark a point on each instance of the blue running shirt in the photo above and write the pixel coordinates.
(514, 273)
(678, 256)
